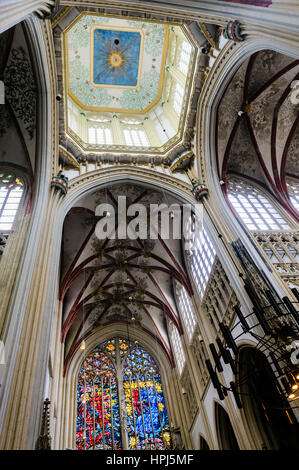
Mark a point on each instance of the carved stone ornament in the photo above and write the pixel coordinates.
(60, 182)
(233, 31)
(199, 190)
(44, 440)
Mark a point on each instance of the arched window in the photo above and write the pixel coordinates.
(186, 310)
(177, 348)
(109, 412)
(11, 191)
(201, 256)
(293, 190)
(253, 208)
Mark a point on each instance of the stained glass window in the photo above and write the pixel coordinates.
(11, 191)
(98, 420)
(109, 412)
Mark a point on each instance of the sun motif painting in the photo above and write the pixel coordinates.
(115, 64)
(116, 57)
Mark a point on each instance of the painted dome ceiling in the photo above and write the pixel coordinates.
(128, 86)
(115, 64)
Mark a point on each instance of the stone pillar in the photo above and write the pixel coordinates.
(15, 11)
(20, 414)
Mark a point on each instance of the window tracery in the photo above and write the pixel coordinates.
(136, 137)
(119, 390)
(186, 310)
(201, 257)
(177, 348)
(184, 57)
(101, 134)
(254, 209)
(178, 98)
(293, 191)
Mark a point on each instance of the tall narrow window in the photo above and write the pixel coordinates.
(253, 208)
(101, 135)
(147, 420)
(136, 137)
(73, 116)
(108, 410)
(186, 310)
(184, 57)
(178, 349)
(11, 191)
(293, 190)
(201, 256)
(98, 418)
(178, 98)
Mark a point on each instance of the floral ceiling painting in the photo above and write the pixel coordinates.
(115, 64)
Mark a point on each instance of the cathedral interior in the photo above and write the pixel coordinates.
(117, 333)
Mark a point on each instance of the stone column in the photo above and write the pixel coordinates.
(15, 11)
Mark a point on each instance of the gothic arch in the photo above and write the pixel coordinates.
(225, 66)
(256, 186)
(263, 404)
(14, 298)
(224, 429)
(67, 421)
(203, 444)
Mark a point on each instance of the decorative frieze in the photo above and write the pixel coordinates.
(282, 250)
(200, 353)
(188, 392)
(218, 296)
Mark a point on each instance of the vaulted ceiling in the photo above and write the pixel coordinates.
(18, 116)
(123, 68)
(130, 281)
(257, 124)
(115, 64)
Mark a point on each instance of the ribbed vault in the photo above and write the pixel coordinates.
(257, 124)
(112, 280)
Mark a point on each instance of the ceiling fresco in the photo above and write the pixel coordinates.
(124, 72)
(115, 64)
(116, 57)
